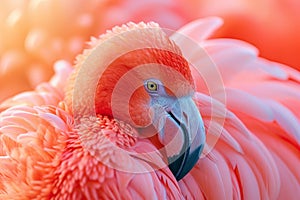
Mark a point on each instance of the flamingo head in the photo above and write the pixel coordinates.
(145, 81)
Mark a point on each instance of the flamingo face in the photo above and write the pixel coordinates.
(144, 81)
(179, 125)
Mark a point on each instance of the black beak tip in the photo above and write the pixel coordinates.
(185, 163)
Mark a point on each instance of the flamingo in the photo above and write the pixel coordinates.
(147, 114)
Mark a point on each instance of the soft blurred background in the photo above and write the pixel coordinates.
(34, 34)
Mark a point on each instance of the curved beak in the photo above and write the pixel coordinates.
(181, 131)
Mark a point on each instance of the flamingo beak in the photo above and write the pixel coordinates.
(181, 131)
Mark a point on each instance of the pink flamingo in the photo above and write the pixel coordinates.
(96, 140)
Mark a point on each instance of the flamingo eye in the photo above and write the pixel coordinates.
(152, 86)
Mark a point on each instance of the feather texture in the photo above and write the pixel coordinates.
(251, 152)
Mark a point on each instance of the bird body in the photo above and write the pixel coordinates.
(76, 144)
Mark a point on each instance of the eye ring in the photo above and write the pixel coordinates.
(152, 86)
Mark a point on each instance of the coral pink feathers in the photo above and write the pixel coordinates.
(252, 148)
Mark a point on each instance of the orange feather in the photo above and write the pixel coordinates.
(252, 147)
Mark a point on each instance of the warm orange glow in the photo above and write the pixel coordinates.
(56, 144)
(34, 34)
